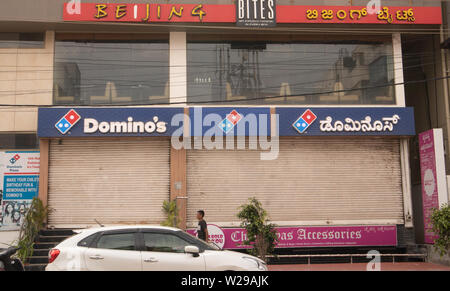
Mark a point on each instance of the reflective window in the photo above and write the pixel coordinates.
(22, 40)
(19, 141)
(163, 242)
(119, 241)
(345, 72)
(125, 71)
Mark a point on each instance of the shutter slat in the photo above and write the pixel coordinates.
(312, 179)
(113, 181)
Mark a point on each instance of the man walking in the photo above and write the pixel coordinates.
(202, 228)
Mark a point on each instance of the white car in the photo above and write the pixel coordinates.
(145, 248)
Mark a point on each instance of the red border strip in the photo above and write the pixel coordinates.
(21, 173)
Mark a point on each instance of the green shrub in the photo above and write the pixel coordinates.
(261, 234)
(171, 210)
(33, 223)
(440, 219)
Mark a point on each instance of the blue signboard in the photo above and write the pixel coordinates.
(226, 121)
(20, 187)
(340, 121)
(234, 121)
(86, 122)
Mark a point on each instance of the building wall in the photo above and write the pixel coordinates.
(25, 70)
(26, 78)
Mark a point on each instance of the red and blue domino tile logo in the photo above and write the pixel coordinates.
(230, 121)
(14, 159)
(304, 121)
(67, 121)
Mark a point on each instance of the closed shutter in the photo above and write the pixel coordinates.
(313, 179)
(113, 181)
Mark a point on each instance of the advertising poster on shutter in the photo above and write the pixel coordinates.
(432, 171)
(20, 184)
(310, 236)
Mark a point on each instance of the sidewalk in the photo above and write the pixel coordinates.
(411, 266)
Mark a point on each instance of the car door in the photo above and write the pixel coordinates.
(164, 251)
(114, 251)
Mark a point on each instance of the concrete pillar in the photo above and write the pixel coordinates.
(178, 68)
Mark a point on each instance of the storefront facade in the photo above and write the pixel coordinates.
(302, 107)
(117, 165)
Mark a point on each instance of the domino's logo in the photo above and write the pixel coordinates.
(304, 121)
(14, 159)
(67, 121)
(230, 121)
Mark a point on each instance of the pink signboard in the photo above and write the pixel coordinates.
(311, 236)
(429, 176)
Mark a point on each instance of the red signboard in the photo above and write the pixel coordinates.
(148, 13)
(359, 14)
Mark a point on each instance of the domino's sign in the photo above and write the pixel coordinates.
(326, 121)
(85, 122)
(226, 121)
(67, 121)
(92, 125)
(304, 121)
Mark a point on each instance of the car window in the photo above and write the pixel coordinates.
(200, 243)
(117, 241)
(86, 242)
(164, 242)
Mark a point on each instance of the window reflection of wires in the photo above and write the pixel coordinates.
(100, 85)
(247, 99)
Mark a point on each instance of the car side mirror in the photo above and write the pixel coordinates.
(192, 250)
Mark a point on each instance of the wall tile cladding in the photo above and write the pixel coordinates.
(26, 78)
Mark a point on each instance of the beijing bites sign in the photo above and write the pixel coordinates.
(255, 13)
(247, 13)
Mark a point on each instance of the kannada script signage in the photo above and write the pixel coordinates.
(346, 121)
(226, 121)
(252, 13)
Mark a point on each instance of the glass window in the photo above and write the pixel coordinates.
(164, 242)
(22, 40)
(86, 242)
(309, 72)
(125, 71)
(119, 241)
(19, 141)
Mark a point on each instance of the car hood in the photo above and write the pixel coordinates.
(239, 255)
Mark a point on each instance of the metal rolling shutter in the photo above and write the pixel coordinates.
(113, 181)
(313, 179)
